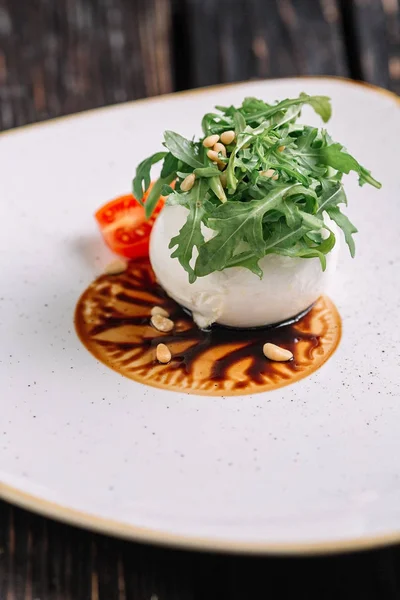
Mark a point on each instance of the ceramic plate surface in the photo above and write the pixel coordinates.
(313, 466)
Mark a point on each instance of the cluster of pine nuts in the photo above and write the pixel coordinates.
(161, 321)
(217, 146)
(276, 353)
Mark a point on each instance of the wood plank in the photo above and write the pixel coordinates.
(232, 40)
(44, 560)
(67, 56)
(377, 34)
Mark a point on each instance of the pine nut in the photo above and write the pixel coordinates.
(275, 177)
(276, 353)
(163, 354)
(220, 148)
(159, 310)
(162, 323)
(227, 137)
(268, 173)
(210, 141)
(223, 179)
(116, 267)
(188, 182)
(281, 148)
(212, 155)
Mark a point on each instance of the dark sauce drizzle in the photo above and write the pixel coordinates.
(226, 351)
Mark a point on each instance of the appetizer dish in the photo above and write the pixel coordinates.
(232, 248)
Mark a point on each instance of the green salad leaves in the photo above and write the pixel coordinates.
(266, 191)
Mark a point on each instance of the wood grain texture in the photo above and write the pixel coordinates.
(376, 25)
(231, 40)
(64, 56)
(43, 560)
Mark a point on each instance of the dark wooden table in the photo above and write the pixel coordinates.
(64, 56)
(43, 560)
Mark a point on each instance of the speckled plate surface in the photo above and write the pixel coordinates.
(310, 467)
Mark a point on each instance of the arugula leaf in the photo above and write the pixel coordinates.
(304, 251)
(305, 156)
(246, 260)
(209, 119)
(206, 122)
(166, 190)
(332, 155)
(332, 195)
(239, 122)
(190, 234)
(345, 225)
(291, 213)
(170, 165)
(335, 157)
(182, 149)
(314, 223)
(235, 221)
(155, 194)
(207, 172)
(321, 105)
(141, 182)
(243, 139)
(281, 237)
(288, 117)
(282, 167)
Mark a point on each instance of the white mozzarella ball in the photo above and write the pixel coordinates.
(237, 297)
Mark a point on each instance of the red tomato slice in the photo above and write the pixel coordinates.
(124, 226)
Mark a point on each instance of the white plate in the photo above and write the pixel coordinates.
(309, 467)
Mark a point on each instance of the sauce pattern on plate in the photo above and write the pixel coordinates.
(112, 320)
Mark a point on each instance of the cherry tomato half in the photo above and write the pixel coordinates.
(124, 226)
